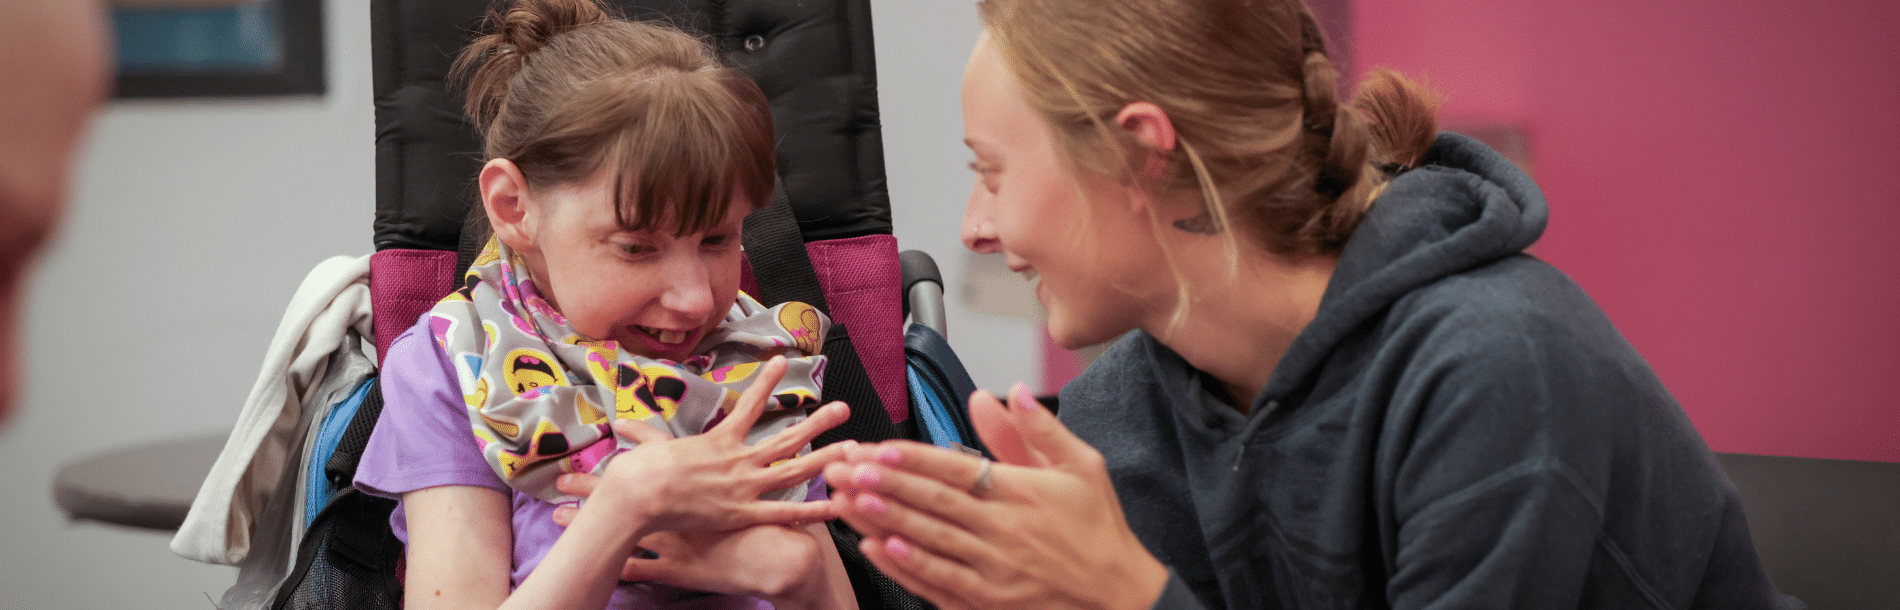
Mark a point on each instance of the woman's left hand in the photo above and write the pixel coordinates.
(1048, 530)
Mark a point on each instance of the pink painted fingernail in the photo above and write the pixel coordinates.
(889, 455)
(1020, 395)
(871, 504)
(897, 548)
(868, 476)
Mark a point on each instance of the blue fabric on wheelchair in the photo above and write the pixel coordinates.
(933, 414)
(317, 487)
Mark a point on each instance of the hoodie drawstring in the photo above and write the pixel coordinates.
(1253, 427)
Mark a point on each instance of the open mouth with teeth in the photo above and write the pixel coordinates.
(669, 337)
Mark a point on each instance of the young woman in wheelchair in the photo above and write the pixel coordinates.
(1339, 383)
(600, 347)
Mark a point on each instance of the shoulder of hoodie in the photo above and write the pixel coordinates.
(1123, 377)
(1517, 299)
(1518, 331)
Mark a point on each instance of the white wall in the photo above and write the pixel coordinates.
(922, 47)
(149, 314)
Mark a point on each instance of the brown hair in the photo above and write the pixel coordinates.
(1251, 94)
(563, 87)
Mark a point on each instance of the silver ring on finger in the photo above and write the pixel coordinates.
(984, 479)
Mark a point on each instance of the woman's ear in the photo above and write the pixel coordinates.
(506, 200)
(1151, 128)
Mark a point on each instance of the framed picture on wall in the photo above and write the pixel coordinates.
(217, 48)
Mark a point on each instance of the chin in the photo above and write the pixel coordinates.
(1066, 334)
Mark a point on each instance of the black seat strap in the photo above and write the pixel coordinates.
(781, 265)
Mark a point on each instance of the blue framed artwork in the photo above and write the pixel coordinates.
(218, 48)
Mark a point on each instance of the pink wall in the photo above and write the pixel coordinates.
(1719, 180)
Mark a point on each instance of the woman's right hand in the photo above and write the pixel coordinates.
(712, 481)
(1047, 531)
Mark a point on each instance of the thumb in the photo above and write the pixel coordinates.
(999, 432)
(640, 569)
(575, 484)
(639, 431)
(1043, 434)
(653, 559)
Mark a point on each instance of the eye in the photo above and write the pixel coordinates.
(986, 173)
(719, 240)
(637, 249)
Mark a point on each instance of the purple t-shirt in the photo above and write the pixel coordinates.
(423, 439)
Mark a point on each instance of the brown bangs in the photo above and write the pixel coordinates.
(683, 132)
(691, 141)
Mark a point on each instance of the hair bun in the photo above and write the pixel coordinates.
(528, 25)
(508, 36)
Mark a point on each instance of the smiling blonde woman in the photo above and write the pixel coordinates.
(1339, 381)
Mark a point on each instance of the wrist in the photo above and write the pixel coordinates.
(1143, 582)
(803, 594)
(619, 511)
(801, 588)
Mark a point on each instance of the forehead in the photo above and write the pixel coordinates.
(592, 204)
(995, 111)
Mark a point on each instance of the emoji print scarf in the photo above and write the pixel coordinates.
(540, 396)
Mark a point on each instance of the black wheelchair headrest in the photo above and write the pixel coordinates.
(812, 59)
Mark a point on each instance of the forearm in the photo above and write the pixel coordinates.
(460, 548)
(584, 566)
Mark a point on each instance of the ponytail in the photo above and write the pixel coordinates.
(1403, 114)
(1338, 141)
(1388, 126)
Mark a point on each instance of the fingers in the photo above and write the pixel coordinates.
(1044, 434)
(577, 484)
(999, 431)
(766, 511)
(908, 521)
(639, 431)
(654, 558)
(804, 467)
(752, 402)
(794, 437)
(920, 571)
(638, 570)
(892, 500)
(952, 471)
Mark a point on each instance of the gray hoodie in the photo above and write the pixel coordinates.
(1459, 427)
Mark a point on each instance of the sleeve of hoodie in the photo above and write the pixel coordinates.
(1176, 596)
(1498, 446)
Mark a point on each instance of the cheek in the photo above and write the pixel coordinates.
(722, 275)
(1042, 218)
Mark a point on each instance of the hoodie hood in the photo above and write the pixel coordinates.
(1463, 207)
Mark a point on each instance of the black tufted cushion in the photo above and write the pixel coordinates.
(813, 60)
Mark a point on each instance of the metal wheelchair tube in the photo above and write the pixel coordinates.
(923, 291)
